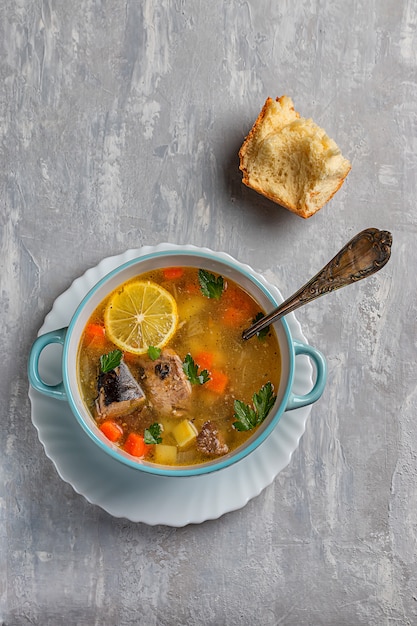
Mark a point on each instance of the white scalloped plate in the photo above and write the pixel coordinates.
(139, 497)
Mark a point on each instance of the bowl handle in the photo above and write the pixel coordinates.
(295, 401)
(54, 391)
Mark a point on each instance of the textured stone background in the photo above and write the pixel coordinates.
(120, 126)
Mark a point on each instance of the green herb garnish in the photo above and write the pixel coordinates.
(153, 434)
(154, 353)
(211, 286)
(111, 360)
(248, 417)
(262, 333)
(191, 371)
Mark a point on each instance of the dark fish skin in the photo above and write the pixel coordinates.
(118, 392)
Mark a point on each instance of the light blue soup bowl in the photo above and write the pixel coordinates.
(168, 255)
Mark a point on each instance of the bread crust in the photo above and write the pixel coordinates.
(246, 157)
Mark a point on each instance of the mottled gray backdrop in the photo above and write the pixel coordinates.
(120, 126)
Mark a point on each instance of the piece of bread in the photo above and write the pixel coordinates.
(291, 160)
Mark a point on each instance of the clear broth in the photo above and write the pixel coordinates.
(205, 326)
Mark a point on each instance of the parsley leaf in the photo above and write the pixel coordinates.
(245, 415)
(211, 286)
(110, 361)
(154, 353)
(191, 371)
(261, 334)
(249, 417)
(153, 434)
(263, 401)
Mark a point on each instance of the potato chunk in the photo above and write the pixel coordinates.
(165, 455)
(185, 433)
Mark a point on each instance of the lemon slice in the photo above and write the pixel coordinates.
(140, 315)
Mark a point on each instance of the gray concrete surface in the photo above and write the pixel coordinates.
(120, 126)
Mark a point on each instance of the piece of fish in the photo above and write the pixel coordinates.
(165, 383)
(118, 392)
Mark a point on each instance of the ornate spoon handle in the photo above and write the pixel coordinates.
(364, 255)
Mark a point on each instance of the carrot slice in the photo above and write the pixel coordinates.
(235, 317)
(130, 358)
(170, 273)
(95, 333)
(218, 382)
(192, 288)
(238, 299)
(204, 360)
(95, 330)
(135, 445)
(112, 430)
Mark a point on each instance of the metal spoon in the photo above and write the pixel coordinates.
(364, 255)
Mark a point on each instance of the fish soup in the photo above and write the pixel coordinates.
(165, 373)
